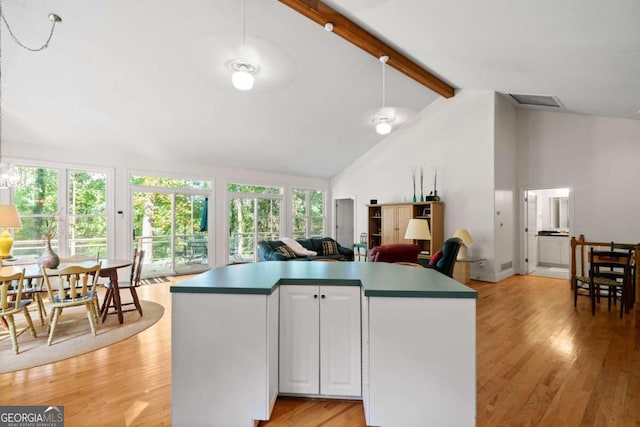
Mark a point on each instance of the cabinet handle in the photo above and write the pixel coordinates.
(315, 296)
(323, 296)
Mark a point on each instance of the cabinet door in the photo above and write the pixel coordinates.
(565, 251)
(545, 250)
(299, 340)
(404, 214)
(388, 225)
(340, 341)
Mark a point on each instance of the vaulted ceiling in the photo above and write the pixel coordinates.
(149, 77)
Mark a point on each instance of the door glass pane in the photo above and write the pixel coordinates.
(241, 229)
(191, 244)
(268, 219)
(87, 213)
(152, 225)
(37, 202)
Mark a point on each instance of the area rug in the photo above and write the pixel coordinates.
(73, 336)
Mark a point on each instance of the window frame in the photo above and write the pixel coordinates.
(63, 181)
(308, 217)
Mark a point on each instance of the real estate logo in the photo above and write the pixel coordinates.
(31, 416)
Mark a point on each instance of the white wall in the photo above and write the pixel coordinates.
(597, 157)
(505, 212)
(453, 135)
(147, 162)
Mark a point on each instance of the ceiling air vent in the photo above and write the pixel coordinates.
(536, 100)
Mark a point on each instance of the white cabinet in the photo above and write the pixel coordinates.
(553, 250)
(320, 351)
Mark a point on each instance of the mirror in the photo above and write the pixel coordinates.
(559, 212)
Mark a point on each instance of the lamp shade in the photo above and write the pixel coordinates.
(463, 234)
(9, 217)
(418, 229)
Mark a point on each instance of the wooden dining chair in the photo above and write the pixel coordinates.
(12, 303)
(609, 273)
(131, 285)
(81, 259)
(71, 286)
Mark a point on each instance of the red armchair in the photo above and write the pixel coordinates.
(397, 252)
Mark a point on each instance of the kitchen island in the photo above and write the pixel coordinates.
(242, 334)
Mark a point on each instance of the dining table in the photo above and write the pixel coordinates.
(108, 268)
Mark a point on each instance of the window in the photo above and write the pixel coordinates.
(78, 200)
(308, 213)
(254, 215)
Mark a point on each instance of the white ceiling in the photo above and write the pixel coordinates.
(149, 76)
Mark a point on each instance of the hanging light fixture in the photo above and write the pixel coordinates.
(243, 72)
(243, 69)
(383, 118)
(10, 174)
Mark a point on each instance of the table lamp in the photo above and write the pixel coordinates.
(418, 229)
(9, 218)
(463, 234)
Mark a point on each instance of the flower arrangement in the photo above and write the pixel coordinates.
(52, 228)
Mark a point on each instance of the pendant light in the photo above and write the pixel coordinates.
(243, 70)
(10, 174)
(383, 119)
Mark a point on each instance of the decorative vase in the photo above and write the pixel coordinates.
(49, 258)
(421, 185)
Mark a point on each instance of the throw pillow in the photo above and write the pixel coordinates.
(435, 258)
(329, 247)
(286, 251)
(296, 247)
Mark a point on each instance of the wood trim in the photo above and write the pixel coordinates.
(342, 26)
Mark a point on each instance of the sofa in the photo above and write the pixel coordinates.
(395, 252)
(307, 250)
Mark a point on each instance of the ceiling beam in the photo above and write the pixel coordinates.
(319, 12)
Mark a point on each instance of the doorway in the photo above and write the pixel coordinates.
(344, 222)
(167, 225)
(546, 238)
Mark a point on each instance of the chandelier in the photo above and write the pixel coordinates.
(10, 174)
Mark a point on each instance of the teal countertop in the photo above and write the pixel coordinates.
(378, 279)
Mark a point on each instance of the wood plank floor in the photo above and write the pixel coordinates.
(540, 363)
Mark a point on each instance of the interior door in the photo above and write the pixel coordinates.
(531, 201)
(344, 222)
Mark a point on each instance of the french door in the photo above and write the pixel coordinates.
(171, 227)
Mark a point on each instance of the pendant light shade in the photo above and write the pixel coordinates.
(243, 72)
(383, 126)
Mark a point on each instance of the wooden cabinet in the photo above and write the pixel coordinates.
(388, 223)
(320, 340)
(395, 219)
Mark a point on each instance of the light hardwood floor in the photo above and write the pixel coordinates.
(540, 362)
